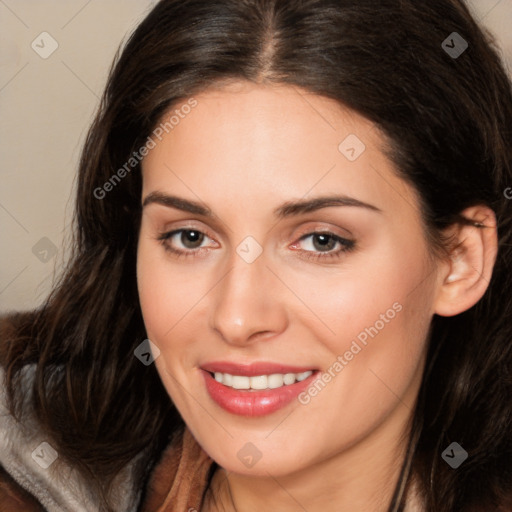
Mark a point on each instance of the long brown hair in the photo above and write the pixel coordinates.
(449, 122)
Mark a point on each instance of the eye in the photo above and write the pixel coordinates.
(321, 245)
(189, 242)
(189, 239)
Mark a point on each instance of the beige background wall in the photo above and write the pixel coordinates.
(46, 105)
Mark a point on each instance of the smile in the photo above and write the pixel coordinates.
(255, 390)
(258, 382)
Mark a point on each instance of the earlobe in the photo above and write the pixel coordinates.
(466, 276)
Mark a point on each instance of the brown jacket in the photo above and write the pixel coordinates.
(180, 479)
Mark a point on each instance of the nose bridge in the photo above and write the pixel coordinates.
(243, 303)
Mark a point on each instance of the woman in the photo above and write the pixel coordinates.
(289, 282)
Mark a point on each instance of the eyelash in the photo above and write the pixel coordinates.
(346, 245)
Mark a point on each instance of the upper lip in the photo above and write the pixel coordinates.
(253, 369)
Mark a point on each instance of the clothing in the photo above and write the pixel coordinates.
(176, 483)
(180, 479)
(28, 466)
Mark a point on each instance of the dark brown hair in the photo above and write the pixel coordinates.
(449, 125)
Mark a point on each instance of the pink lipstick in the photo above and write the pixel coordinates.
(256, 389)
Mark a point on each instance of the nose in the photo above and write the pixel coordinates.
(248, 303)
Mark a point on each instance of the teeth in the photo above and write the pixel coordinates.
(259, 382)
(289, 378)
(227, 379)
(241, 382)
(303, 375)
(276, 380)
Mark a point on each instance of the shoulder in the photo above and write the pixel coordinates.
(34, 473)
(32, 467)
(14, 473)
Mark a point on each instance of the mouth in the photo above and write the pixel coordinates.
(255, 390)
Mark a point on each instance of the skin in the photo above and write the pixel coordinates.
(244, 150)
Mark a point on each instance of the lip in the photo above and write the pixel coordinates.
(252, 403)
(253, 369)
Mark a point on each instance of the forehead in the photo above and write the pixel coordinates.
(260, 142)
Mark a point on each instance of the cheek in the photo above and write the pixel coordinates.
(377, 293)
(374, 368)
(163, 300)
(375, 318)
(157, 292)
(170, 299)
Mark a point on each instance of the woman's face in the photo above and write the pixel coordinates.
(241, 285)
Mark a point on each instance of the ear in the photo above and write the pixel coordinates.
(465, 275)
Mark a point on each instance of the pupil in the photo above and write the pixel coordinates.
(324, 240)
(190, 237)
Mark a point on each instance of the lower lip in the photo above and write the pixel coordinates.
(254, 403)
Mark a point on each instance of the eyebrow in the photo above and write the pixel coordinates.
(287, 209)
